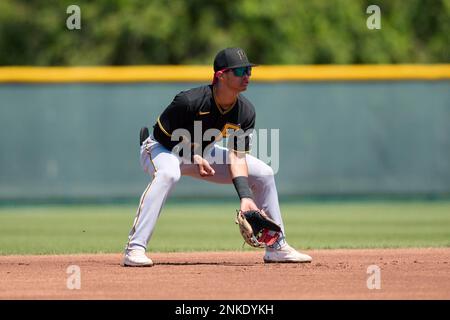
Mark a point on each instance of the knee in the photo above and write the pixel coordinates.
(168, 176)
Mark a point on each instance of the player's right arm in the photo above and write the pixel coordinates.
(175, 116)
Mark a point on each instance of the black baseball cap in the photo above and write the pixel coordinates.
(231, 58)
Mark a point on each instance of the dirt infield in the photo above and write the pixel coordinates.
(333, 274)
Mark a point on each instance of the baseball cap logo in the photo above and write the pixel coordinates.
(241, 54)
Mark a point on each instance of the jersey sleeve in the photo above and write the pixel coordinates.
(173, 117)
(240, 141)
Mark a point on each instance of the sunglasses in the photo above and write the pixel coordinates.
(240, 72)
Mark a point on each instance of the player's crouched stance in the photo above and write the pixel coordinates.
(219, 107)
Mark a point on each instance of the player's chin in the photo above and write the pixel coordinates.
(244, 86)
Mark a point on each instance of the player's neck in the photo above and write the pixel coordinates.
(224, 97)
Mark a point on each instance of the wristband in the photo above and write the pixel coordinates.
(242, 188)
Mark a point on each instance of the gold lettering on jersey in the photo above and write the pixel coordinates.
(227, 127)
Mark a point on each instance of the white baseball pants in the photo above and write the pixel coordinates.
(166, 169)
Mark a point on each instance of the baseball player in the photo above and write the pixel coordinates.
(215, 111)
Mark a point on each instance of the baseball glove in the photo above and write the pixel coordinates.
(257, 229)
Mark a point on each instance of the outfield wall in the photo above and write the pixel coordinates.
(337, 136)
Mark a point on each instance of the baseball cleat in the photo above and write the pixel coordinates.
(136, 258)
(284, 255)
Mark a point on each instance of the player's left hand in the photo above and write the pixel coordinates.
(248, 204)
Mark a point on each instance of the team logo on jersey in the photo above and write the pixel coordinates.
(229, 126)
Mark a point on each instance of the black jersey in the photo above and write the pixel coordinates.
(199, 105)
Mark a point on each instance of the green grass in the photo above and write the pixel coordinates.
(195, 227)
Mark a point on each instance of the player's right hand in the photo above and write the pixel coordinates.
(204, 168)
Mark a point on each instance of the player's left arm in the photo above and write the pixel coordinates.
(239, 174)
(239, 146)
